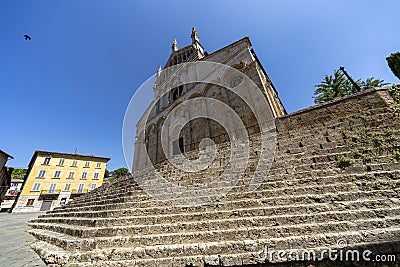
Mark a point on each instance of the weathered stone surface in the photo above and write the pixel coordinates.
(341, 184)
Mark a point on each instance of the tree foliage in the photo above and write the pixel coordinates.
(18, 173)
(338, 85)
(120, 172)
(115, 173)
(372, 83)
(394, 63)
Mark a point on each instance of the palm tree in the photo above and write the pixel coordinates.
(338, 85)
(372, 83)
(331, 87)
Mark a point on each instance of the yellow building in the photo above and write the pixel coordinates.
(54, 179)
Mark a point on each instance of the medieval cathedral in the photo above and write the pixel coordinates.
(329, 198)
(238, 55)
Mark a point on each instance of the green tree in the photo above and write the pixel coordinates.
(331, 87)
(120, 172)
(19, 173)
(338, 85)
(394, 63)
(115, 173)
(372, 83)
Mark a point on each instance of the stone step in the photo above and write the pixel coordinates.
(252, 257)
(276, 183)
(268, 182)
(320, 170)
(237, 246)
(217, 224)
(313, 150)
(131, 184)
(217, 214)
(276, 193)
(100, 191)
(128, 210)
(127, 190)
(306, 201)
(238, 232)
(256, 196)
(283, 170)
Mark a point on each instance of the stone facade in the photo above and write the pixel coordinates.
(238, 55)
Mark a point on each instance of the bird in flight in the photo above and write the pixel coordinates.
(27, 37)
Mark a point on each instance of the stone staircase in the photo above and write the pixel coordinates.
(335, 178)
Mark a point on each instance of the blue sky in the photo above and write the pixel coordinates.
(69, 86)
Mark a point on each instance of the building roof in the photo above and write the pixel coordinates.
(244, 39)
(8, 155)
(61, 154)
(44, 152)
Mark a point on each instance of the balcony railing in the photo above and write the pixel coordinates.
(75, 191)
(50, 192)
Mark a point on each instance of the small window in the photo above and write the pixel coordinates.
(57, 174)
(47, 161)
(30, 201)
(74, 163)
(41, 173)
(96, 176)
(52, 188)
(80, 188)
(87, 164)
(98, 165)
(36, 187)
(84, 175)
(61, 162)
(71, 175)
(67, 187)
(177, 92)
(92, 187)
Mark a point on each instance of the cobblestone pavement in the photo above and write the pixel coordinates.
(15, 242)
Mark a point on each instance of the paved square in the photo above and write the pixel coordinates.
(15, 242)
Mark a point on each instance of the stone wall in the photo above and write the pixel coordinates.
(335, 110)
(305, 135)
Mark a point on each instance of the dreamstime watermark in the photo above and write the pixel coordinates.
(338, 254)
(167, 115)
